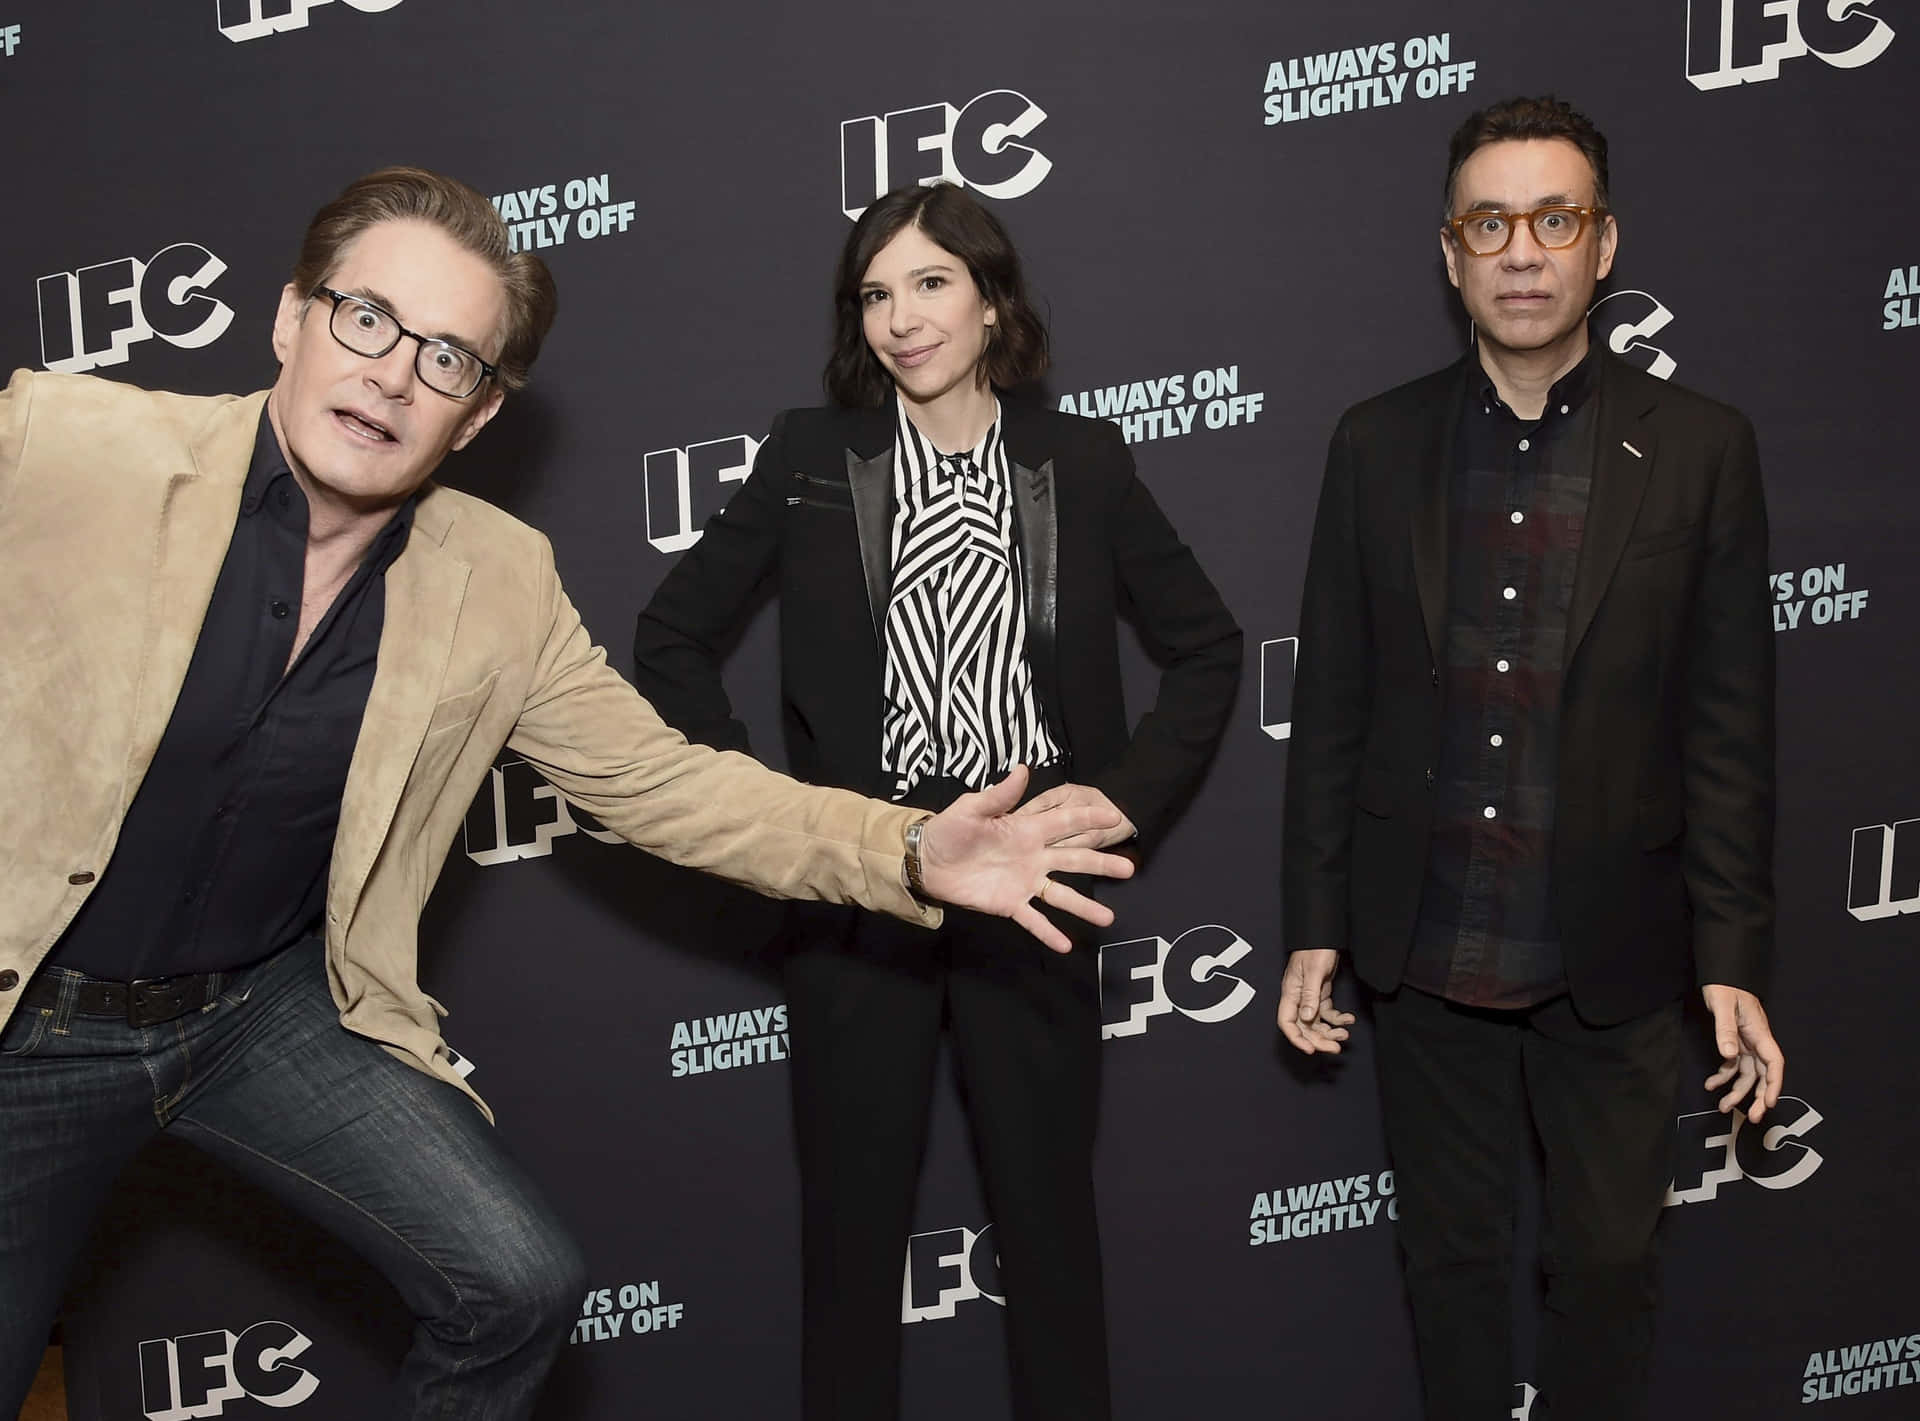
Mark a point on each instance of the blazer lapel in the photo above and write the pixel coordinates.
(424, 591)
(196, 525)
(1036, 529)
(1623, 459)
(1431, 514)
(872, 483)
(868, 452)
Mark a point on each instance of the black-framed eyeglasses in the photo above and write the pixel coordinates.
(372, 331)
(1486, 233)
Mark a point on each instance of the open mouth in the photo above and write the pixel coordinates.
(359, 425)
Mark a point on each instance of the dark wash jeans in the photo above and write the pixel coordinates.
(397, 1165)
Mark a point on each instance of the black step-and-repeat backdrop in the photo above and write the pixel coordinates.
(1231, 209)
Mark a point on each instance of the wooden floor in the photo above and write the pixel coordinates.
(48, 1399)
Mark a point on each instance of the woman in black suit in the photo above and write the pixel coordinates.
(949, 566)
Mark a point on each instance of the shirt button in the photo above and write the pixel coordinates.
(1433, 673)
(1487, 812)
(1429, 779)
(1508, 593)
(1517, 516)
(1495, 740)
(84, 876)
(9, 979)
(1525, 444)
(1500, 665)
(1563, 409)
(278, 608)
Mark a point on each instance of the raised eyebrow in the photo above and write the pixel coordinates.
(372, 297)
(929, 269)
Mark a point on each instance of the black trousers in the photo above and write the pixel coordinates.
(866, 997)
(1458, 1089)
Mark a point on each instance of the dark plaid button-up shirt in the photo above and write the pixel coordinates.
(1487, 934)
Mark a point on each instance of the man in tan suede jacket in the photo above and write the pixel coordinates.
(254, 666)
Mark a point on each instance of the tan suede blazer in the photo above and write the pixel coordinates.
(116, 505)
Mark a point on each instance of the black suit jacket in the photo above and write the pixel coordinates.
(1663, 840)
(816, 515)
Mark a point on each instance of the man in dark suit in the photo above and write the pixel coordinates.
(1531, 782)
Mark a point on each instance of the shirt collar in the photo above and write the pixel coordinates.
(1569, 392)
(922, 455)
(271, 485)
(268, 465)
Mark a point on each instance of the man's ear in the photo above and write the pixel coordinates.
(482, 411)
(1450, 254)
(1609, 244)
(286, 321)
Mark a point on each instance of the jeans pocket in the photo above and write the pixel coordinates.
(25, 1032)
(237, 996)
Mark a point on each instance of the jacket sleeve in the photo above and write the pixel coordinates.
(1332, 703)
(1198, 644)
(603, 746)
(683, 633)
(1728, 739)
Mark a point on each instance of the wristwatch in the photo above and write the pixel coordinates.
(910, 864)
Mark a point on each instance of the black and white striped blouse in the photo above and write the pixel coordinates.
(960, 702)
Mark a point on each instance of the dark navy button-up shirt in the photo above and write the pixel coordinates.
(222, 859)
(1487, 935)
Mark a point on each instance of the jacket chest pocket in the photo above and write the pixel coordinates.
(462, 708)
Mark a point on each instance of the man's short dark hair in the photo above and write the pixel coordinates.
(951, 217)
(465, 216)
(1545, 117)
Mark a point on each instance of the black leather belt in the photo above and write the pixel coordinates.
(148, 1002)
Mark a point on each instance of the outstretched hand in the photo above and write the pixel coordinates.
(977, 853)
(1750, 1059)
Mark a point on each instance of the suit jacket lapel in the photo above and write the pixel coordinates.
(1623, 459)
(196, 525)
(424, 590)
(872, 482)
(1432, 512)
(869, 465)
(1036, 529)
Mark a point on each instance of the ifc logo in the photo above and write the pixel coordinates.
(242, 20)
(196, 1375)
(1150, 976)
(972, 146)
(1743, 41)
(92, 316)
(1626, 322)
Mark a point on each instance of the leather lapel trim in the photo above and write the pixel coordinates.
(872, 484)
(1036, 528)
